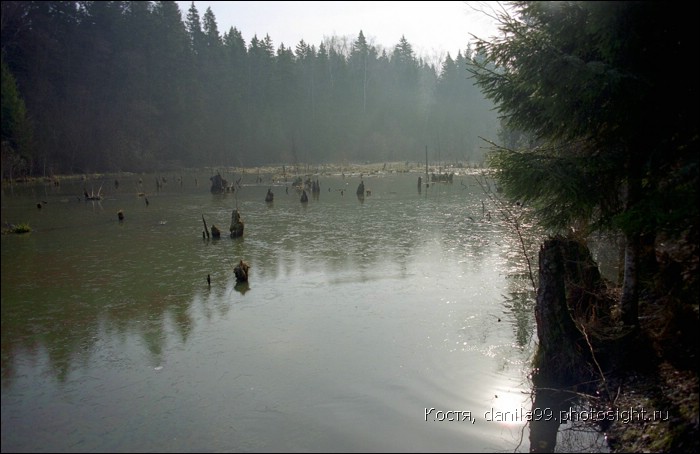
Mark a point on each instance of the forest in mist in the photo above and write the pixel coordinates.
(140, 86)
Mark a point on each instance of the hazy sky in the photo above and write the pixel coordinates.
(432, 28)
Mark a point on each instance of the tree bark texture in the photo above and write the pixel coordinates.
(569, 285)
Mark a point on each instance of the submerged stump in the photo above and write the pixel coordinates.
(236, 227)
(361, 189)
(218, 184)
(241, 271)
(215, 232)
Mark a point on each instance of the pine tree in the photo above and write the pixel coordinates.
(17, 151)
(614, 128)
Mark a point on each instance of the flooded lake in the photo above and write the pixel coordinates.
(402, 322)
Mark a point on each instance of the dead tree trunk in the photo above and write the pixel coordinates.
(237, 225)
(241, 271)
(206, 229)
(569, 283)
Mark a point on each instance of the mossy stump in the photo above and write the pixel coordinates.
(241, 271)
(237, 225)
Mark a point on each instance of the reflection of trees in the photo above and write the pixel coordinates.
(70, 336)
(577, 433)
(520, 305)
(519, 257)
(66, 333)
(150, 291)
(547, 406)
(182, 320)
(78, 282)
(153, 335)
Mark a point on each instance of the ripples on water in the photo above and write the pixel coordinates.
(358, 316)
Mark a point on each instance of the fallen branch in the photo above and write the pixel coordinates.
(206, 229)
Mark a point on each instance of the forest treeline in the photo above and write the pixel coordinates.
(96, 86)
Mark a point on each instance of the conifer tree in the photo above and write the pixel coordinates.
(613, 128)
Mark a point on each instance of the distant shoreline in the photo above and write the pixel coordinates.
(280, 169)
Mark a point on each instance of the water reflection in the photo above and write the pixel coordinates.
(242, 287)
(560, 423)
(353, 310)
(547, 408)
(520, 306)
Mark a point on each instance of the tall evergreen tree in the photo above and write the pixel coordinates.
(617, 131)
(194, 29)
(236, 90)
(173, 76)
(17, 149)
(360, 63)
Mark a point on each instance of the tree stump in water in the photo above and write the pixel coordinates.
(361, 192)
(270, 196)
(241, 271)
(218, 184)
(569, 287)
(215, 232)
(236, 227)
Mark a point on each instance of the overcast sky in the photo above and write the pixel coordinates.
(432, 28)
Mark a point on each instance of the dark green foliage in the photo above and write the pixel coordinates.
(17, 152)
(564, 189)
(137, 86)
(612, 123)
(606, 120)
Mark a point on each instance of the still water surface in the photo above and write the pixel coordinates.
(359, 318)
